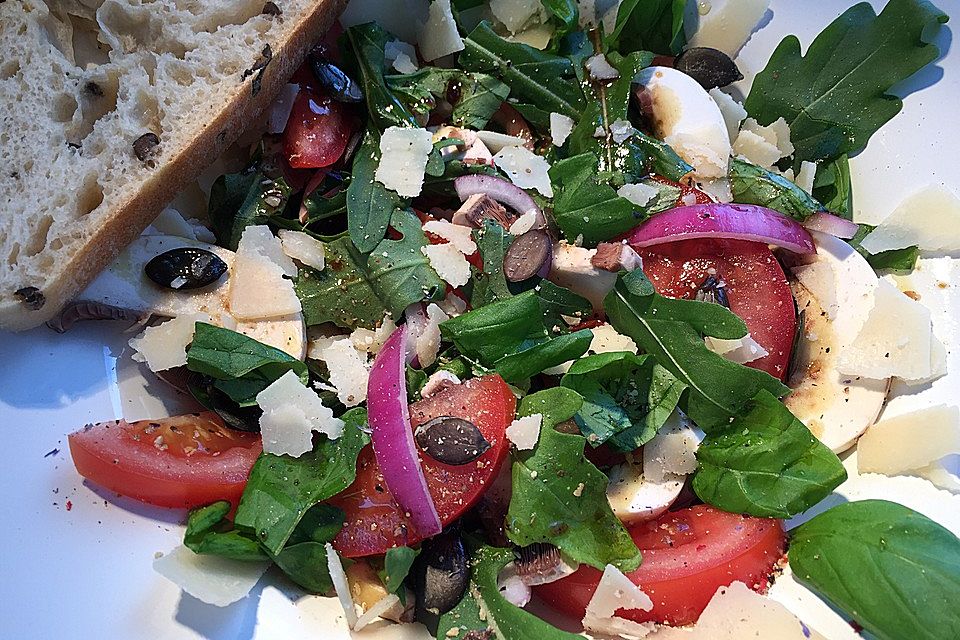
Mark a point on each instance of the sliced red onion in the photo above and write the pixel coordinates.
(721, 220)
(831, 225)
(392, 435)
(503, 191)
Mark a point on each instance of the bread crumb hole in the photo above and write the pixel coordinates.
(89, 196)
(64, 106)
(9, 69)
(39, 239)
(14, 254)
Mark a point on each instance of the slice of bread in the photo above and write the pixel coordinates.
(108, 108)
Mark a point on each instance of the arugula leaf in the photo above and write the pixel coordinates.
(626, 398)
(832, 187)
(489, 284)
(895, 571)
(559, 496)
(656, 25)
(565, 14)
(541, 82)
(836, 96)
(529, 362)
(238, 200)
(370, 205)
(396, 566)
(304, 558)
(281, 489)
(751, 184)
(241, 366)
(672, 331)
(367, 42)
(475, 97)
(555, 301)
(209, 531)
(661, 159)
(765, 463)
(321, 206)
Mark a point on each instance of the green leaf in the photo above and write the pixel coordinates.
(895, 571)
(238, 200)
(281, 489)
(499, 329)
(385, 110)
(241, 366)
(672, 331)
(565, 14)
(837, 96)
(626, 398)
(477, 95)
(396, 566)
(304, 558)
(832, 187)
(765, 463)
(529, 362)
(370, 205)
(538, 79)
(209, 532)
(656, 25)
(489, 284)
(555, 301)
(893, 260)
(751, 184)
(661, 159)
(320, 206)
(560, 497)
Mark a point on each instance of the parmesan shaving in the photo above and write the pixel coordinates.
(302, 247)
(376, 610)
(165, 346)
(929, 218)
(726, 25)
(525, 432)
(615, 591)
(756, 149)
(909, 441)
(340, 585)
(456, 234)
(258, 288)
(606, 339)
(672, 452)
(600, 69)
(740, 350)
(525, 169)
(561, 127)
(291, 413)
(449, 263)
(732, 111)
(639, 194)
(211, 579)
(403, 157)
(348, 369)
(524, 223)
(439, 36)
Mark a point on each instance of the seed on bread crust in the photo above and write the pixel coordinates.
(271, 9)
(258, 68)
(145, 146)
(31, 297)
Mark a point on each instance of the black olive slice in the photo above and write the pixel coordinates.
(709, 67)
(341, 87)
(440, 576)
(451, 440)
(528, 255)
(185, 268)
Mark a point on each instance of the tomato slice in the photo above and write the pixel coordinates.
(317, 131)
(686, 191)
(183, 461)
(755, 285)
(687, 555)
(374, 522)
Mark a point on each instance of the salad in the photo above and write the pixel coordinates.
(537, 308)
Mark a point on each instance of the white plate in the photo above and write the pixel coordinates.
(76, 561)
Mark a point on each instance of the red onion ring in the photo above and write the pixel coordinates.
(392, 435)
(831, 225)
(721, 220)
(503, 191)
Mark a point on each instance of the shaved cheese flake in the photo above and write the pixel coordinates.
(740, 350)
(404, 64)
(171, 222)
(425, 329)
(525, 432)
(514, 14)
(537, 36)
(727, 24)
(376, 610)
(755, 148)
(732, 111)
(286, 333)
(929, 218)
(524, 223)
(615, 591)
(639, 194)
(700, 150)
(395, 48)
(806, 176)
(820, 279)
(165, 345)
(440, 36)
(302, 247)
(211, 579)
(340, 585)
(291, 413)
(893, 341)
(941, 477)
(496, 141)
(600, 69)
(606, 339)
(525, 169)
(348, 369)
(448, 262)
(561, 127)
(718, 189)
(909, 441)
(776, 133)
(456, 234)
(672, 452)
(258, 288)
(438, 381)
(403, 158)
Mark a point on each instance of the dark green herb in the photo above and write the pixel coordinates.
(751, 184)
(238, 200)
(370, 205)
(396, 566)
(531, 361)
(304, 557)
(209, 531)
(656, 25)
(489, 284)
(832, 187)
(555, 301)
(385, 110)
(893, 260)
(478, 95)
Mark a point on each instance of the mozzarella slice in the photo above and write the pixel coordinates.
(929, 218)
(258, 288)
(614, 592)
(909, 441)
(303, 247)
(673, 451)
(525, 169)
(637, 498)
(403, 158)
(211, 579)
(525, 432)
(722, 24)
(439, 36)
(165, 346)
(291, 413)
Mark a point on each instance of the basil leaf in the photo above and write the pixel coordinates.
(559, 496)
(672, 332)
(241, 366)
(895, 571)
(370, 205)
(555, 302)
(765, 463)
(837, 95)
(499, 329)
(321, 207)
(529, 362)
(367, 42)
(540, 80)
(832, 187)
(565, 14)
(656, 25)
(751, 184)
(238, 200)
(893, 260)
(661, 159)
(475, 97)
(489, 284)
(396, 566)
(281, 489)
(209, 532)
(304, 558)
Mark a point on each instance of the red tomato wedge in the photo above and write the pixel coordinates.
(687, 555)
(755, 284)
(374, 522)
(183, 461)
(318, 130)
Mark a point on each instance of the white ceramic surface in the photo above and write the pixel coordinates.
(75, 562)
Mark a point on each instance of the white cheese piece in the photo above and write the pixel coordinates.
(496, 141)
(171, 223)
(561, 127)
(537, 36)
(940, 475)
(600, 69)
(165, 345)
(291, 413)
(614, 592)
(524, 223)
(732, 111)
(395, 48)
(726, 25)
(754, 148)
(440, 36)
(620, 130)
(909, 441)
(258, 288)
(820, 279)
(383, 332)
(525, 169)
(424, 325)
(606, 339)
(894, 341)
(718, 189)
(437, 382)
(348, 369)
(514, 14)
(448, 262)
(929, 218)
(279, 111)
(639, 194)
(453, 305)
(341, 586)
(376, 610)
(776, 133)
(286, 333)
(672, 452)
(211, 579)
(573, 270)
(404, 64)
(458, 235)
(806, 176)
(525, 432)
(403, 158)
(303, 247)
(634, 497)
(740, 350)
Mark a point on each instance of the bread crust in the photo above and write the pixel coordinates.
(130, 218)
